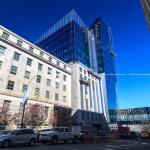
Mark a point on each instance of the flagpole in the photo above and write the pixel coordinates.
(25, 99)
(22, 124)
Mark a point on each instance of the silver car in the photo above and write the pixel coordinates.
(20, 136)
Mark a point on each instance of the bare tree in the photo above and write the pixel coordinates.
(5, 116)
(53, 119)
(34, 115)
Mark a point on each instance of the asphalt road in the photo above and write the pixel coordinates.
(113, 145)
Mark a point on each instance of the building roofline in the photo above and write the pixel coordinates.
(35, 47)
(32, 45)
(70, 16)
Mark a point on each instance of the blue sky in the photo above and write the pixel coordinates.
(30, 18)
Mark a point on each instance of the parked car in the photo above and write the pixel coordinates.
(4, 132)
(145, 135)
(59, 134)
(41, 131)
(19, 136)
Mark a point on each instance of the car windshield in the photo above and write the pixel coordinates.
(12, 132)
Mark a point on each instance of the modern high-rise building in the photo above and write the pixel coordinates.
(65, 40)
(146, 7)
(105, 57)
(72, 41)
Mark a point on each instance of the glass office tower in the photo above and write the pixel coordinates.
(105, 58)
(70, 40)
(66, 41)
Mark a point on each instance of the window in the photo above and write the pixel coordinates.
(64, 98)
(64, 87)
(80, 69)
(29, 62)
(27, 75)
(57, 85)
(67, 130)
(57, 63)
(5, 35)
(47, 94)
(46, 110)
(41, 54)
(40, 67)
(24, 88)
(57, 74)
(37, 92)
(86, 90)
(48, 82)
(31, 49)
(83, 115)
(49, 71)
(19, 43)
(50, 59)
(1, 64)
(56, 97)
(86, 102)
(6, 106)
(65, 67)
(84, 71)
(13, 70)
(64, 77)
(38, 79)
(61, 130)
(10, 85)
(2, 50)
(16, 56)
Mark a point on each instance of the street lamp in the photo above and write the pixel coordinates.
(25, 100)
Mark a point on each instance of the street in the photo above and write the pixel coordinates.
(113, 145)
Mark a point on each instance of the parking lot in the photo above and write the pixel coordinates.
(113, 145)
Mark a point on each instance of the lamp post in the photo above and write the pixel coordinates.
(25, 100)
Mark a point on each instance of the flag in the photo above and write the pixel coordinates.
(25, 97)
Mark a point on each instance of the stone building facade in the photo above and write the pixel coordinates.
(22, 62)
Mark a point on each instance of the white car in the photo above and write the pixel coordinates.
(59, 134)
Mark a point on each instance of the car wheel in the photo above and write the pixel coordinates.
(32, 142)
(75, 139)
(43, 142)
(54, 140)
(6, 144)
(65, 141)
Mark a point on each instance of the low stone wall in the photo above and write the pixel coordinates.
(95, 139)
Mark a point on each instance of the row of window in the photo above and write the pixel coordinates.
(27, 73)
(29, 62)
(85, 72)
(10, 86)
(31, 49)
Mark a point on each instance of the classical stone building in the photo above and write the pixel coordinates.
(89, 99)
(22, 62)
